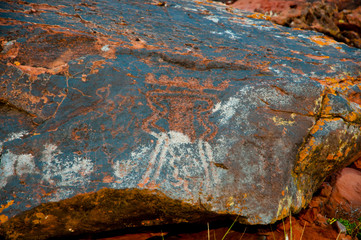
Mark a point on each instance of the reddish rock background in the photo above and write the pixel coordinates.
(345, 199)
(340, 19)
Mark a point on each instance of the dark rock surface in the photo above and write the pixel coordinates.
(231, 114)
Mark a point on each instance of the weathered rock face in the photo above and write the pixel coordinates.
(230, 114)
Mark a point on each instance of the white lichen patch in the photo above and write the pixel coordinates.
(13, 136)
(277, 71)
(244, 21)
(273, 96)
(191, 8)
(62, 194)
(105, 48)
(17, 135)
(123, 167)
(266, 28)
(212, 18)
(73, 171)
(227, 33)
(232, 35)
(227, 109)
(15, 165)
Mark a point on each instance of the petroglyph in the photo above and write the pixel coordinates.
(15, 165)
(180, 119)
(76, 171)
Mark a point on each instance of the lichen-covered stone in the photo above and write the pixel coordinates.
(227, 113)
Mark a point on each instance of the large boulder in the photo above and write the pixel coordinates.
(181, 106)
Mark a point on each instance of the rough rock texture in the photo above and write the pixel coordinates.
(357, 164)
(311, 223)
(336, 18)
(345, 200)
(231, 114)
(104, 210)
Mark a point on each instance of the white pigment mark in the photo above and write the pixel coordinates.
(123, 167)
(227, 109)
(14, 136)
(71, 171)
(175, 149)
(212, 18)
(105, 48)
(15, 165)
(232, 35)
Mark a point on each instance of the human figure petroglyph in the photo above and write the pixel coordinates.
(185, 107)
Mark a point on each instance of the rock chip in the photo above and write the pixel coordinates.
(340, 227)
(345, 200)
(219, 112)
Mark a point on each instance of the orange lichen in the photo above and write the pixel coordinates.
(97, 65)
(83, 78)
(284, 213)
(327, 109)
(304, 154)
(315, 129)
(351, 117)
(4, 218)
(39, 218)
(4, 206)
(330, 157)
(322, 40)
(259, 16)
(339, 154)
(344, 83)
(317, 57)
